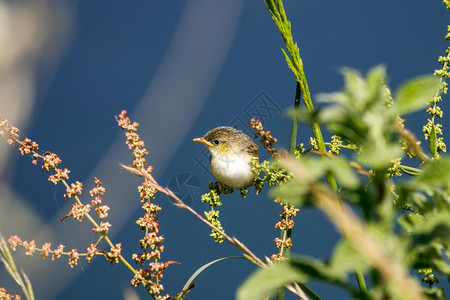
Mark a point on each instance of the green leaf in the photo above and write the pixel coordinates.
(376, 79)
(317, 270)
(266, 282)
(293, 193)
(430, 242)
(308, 291)
(434, 226)
(191, 279)
(360, 115)
(410, 198)
(441, 265)
(316, 169)
(435, 293)
(429, 255)
(340, 168)
(346, 259)
(435, 173)
(290, 63)
(378, 153)
(415, 94)
(409, 221)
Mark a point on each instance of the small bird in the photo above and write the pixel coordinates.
(231, 156)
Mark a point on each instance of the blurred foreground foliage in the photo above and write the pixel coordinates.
(394, 218)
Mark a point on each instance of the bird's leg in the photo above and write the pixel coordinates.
(224, 189)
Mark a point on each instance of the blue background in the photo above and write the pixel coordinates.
(180, 69)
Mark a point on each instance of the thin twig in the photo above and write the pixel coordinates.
(181, 204)
(295, 289)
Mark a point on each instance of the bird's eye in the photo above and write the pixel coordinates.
(217, 142)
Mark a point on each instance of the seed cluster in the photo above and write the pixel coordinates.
(150, 271)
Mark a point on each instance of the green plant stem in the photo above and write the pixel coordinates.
(433, 135)
(348, 147)
(317, 132)
(10, 265)
(293, 140)
(361, 282)
(285, 234)
(295, 63)
(410, 170)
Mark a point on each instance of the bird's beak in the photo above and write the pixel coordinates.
(203, 141)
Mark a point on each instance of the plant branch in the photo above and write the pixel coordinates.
(178, 202)
(295, 289)
(107, 239)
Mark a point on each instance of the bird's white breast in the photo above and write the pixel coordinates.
(232, 170)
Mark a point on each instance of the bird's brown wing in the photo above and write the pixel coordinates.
(254, 149)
